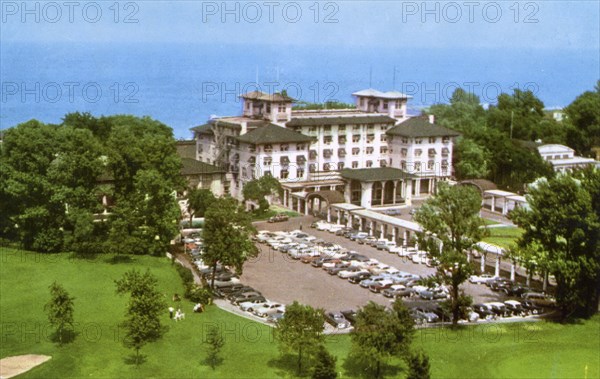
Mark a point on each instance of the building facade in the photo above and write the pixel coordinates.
(563, 158)
(374, 149)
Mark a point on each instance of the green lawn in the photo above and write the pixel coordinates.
(273, 210)
(502, 351)
(489, 222)
(504, 237)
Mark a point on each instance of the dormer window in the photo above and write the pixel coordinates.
(327, 140)
(404, 140)
(432, 139)
(284, 147)
(418, 141)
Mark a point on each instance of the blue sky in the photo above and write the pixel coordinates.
(394, 24)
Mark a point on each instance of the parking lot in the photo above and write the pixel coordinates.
(283, 279)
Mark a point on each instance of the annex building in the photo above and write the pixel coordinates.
(372, 156)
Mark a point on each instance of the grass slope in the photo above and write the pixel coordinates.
(500, 351)
(503, 237)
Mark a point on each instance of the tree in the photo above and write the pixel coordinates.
(583, 114)
(214, 343)
(300, 331)
(142, 323)
(60, 310)
(259, 189)
(418, 366)
(451, 228)
(324, 365)
(380, 334)
(227, 236)
(563, 224)
(518, 115)
(198, 202)
(472, 160)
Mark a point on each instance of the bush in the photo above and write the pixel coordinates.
(186, 275)
(198, 294)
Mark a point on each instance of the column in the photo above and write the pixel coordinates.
(497, 270)
(493, 203)
(408, 192)
(298, 206)
(417, 187)
(382, 228)
(371, 227)
(306, 207)
(394, 234)
(365, 200)
(285, 198)
(328, 214)
(482, 267)
(512, 271)
(405, 236)
(339, 217)
(360, 224)
(348, 219)
(382, 193)
(505, 207)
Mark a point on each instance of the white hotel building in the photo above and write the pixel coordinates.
(373, 156)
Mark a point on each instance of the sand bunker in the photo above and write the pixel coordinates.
(13, 366)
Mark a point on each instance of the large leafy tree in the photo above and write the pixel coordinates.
(259, 189)
(142, 320)
(199, 199)
(60, 310)
(227, 235)
(300, 331)
(563, 222)
(451, 228)
(584, 117)
(518, 115)
(380, 334)
(472, 160)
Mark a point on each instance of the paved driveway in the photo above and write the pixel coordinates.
(283, 279)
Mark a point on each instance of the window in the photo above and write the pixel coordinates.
(383, 150)
(432, 139)
(341, 152)
(284, 161)
(340, 165)
(252, 148)
(300, 172)
(327, 153)
(418, 140)
(430, 165)
(252, 160)
(299, 146)
(342, 140)
(445, 164)
(268, 148)
(355, 164)
(370, 127)
(247, 105)
(267, 161)
(369, 163)
(383, 138)
(312, 167)
(370, 138)
(326, 167)
(445, 152)
(312, 129)
(281, 108)
(327, 128)
(432, 152)
(284, 174)
(404, 140)
(327, 140)
(403, 165)
(383, 163)
(312, 154)
(284, 147)
(300, 159)
(404, 152)
(370, 150)
(268, 108)
(446, 139)
(398, 104)
(418, 166)
(356, 128)
(342, 128)
(356, 138)
(355, 151)
(385, 105)
(418, 152)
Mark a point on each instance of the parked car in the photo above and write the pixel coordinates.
(498, 308)
(419, 257)
(381, 285)
(251, 304)
(531, 308)
(247, 296)
(430, 316)
(392, 290)
(367, 240)
(481, 279)
(516, 290)
(359, 236)
(350, 315)
(337, 268)
(359, 276)
(499, 284)
(540, 299)
(515, 308)
(274, 318)
(279, 218)
(433, 294)
(268, 308)
(372, 280)
(337, 320)
(349, 271)
(484, 311)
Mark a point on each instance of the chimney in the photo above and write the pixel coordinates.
(431, 119)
